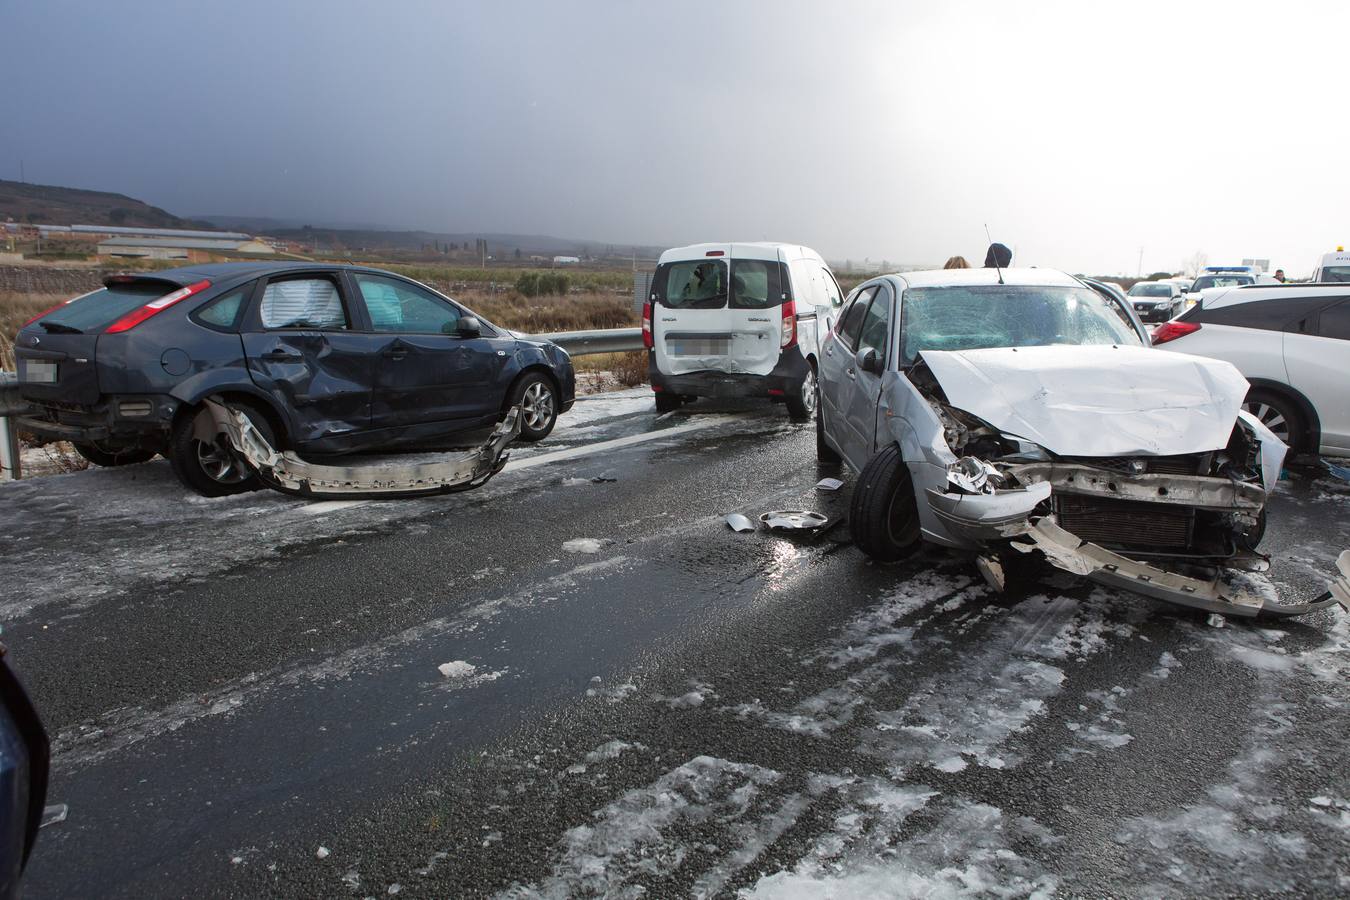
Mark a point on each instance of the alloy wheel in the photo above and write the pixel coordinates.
(809, 392)
(1270, 417)
(537, 404)
(218, 462)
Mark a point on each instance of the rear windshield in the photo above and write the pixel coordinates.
(1335, 274)
(974, 317)
(95, 312)
(704, 284)
(1151, 290)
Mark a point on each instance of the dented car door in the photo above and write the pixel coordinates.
(302, 349)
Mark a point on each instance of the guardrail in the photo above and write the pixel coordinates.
(576, 343)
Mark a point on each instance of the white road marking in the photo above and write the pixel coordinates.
(603, 446)
(326, 506)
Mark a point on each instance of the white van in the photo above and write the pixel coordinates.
(1334, 267)
(738, 320)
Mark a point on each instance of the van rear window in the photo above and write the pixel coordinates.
(94, 312)
(704, 284)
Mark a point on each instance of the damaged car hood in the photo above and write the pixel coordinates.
(1097, 400)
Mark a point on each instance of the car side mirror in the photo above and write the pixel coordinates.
(869, 361)
(470, 327)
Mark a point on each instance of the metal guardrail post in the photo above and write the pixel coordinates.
(10, 468)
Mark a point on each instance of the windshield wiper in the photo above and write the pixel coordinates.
(58, 328)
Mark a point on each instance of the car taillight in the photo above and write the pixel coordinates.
(789, 338)
(137, 316)
(1170, 331)
(647, 325)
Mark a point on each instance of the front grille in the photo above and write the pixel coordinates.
(1126, 523)
(1184, 464)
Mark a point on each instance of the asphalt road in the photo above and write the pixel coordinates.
(578, 681)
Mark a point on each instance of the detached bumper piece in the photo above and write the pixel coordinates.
(1229, 592)
(285, 472)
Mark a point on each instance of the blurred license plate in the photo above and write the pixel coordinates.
(699, 346)
(40, 372)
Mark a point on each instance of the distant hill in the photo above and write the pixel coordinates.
(45, 204)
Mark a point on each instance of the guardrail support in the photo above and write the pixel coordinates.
(10, 469)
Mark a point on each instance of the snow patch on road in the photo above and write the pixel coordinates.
(457, 669)
(584, 545)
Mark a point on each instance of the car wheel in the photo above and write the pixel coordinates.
(538, 402)
(883, 515)
(126, 456)
(1278, 413)
(825, 454)
(212, 468)
(802, 404)
(668, 402)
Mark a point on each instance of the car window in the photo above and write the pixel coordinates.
(398, 306)
(1280, 313)
(1209, 281)
(1335, 274)
(1151, 289)
(832, 293)
(851, 323)
(303, 303)
(755, 283)
(698, 284)
(223, 311)
(1335, 322)
(876, 324)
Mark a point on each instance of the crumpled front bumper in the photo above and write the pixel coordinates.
(284, 471)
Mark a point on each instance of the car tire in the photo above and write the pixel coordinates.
(668, 402)
(538, 400)
(212, 470)
(883, 515)
(1280, 414)
(801, 405)
(825, 454)
(108, 459)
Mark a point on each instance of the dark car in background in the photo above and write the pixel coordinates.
(1157, 301)
(25, 760)
(326, 360)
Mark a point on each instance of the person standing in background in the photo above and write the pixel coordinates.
(956, 262)
(998, 257)
(1279, 275)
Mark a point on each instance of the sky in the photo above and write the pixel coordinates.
(1090, 137)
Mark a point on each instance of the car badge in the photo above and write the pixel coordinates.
(36, 340)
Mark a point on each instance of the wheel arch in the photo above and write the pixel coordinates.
(529, 370)
(1311, 422)
(249, 396)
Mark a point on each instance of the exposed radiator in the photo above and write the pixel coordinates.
(1126, 523)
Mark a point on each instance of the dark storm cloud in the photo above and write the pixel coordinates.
(1079, 133)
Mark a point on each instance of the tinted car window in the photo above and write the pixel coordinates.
(303, 303)
(1335, 274)
(402, 307)
(1151, 290)
(1335, 322)
(1274, 314)
(876, 324)
(698, 284)
(851, 323)
(97, 310)
(755, 283)
(223, 311)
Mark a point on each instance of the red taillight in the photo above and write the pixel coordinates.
(1170, 331)
(789, 338)
(647, 325)
(716, 253)
(137, 316)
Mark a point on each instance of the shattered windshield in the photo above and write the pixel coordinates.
(975, 317)
(693, 283)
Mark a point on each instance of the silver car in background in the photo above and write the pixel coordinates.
(1021, 414)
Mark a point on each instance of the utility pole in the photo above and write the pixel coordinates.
(22, 180)
(1140, 272)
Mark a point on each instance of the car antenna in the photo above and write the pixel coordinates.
(994, 256)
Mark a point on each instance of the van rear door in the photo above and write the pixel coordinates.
(720, 312)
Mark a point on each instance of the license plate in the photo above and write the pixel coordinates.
(39, 372)
(699, 347)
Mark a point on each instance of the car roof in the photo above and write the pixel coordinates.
(1250, 293)
(222, 273)
(959, 277)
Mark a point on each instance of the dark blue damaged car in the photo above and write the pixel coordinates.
(326, 360)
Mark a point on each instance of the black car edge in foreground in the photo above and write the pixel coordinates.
(326, 359)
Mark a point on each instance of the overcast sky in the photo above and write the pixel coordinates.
(1079, 132)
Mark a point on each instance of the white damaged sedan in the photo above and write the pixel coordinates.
(1021, 414)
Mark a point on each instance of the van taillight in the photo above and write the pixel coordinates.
(1170, 331)
(137, 316)
(647, 325)
(789, 338)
